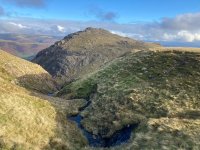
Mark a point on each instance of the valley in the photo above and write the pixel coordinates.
(95, 90)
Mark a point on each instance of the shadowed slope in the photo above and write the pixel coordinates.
(25, 73)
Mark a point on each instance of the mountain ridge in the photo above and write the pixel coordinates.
(85, 51)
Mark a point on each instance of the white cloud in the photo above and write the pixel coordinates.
(119, 33)
(60, 28)
(184, 36)
(189, 37)
(18, 25)
(132, 35)
(183, 28)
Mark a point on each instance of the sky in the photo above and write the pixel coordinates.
(175, 21)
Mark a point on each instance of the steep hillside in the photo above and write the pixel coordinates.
(157, 91)
(85, 51)
(29, 119)
(25, 73)
(25, 45)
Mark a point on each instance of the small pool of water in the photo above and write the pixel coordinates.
(118, 138)
(50, 94)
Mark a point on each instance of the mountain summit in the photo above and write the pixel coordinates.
(85, 51)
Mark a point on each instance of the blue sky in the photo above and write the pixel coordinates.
(126, 10)
(155, 20)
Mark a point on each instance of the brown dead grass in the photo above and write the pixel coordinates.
(182, 49)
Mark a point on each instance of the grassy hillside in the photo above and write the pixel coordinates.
(25, 73)
(29, 119)
(159, 91)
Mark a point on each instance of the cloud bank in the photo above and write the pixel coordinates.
(182, 28)
(185, 27)
(188, 21)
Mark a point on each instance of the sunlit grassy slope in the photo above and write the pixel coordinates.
(28, 119)
(159, 91)
(182, 49)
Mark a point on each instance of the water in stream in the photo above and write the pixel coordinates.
(117, 138)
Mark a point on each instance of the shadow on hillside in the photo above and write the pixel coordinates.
(188, 114)
(43, 83)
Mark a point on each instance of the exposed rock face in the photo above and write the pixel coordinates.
(85, 51)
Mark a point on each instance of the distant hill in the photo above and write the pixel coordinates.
(85, 51)
(158, 92)
(25, 45)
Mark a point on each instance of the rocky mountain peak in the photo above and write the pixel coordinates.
(84, 51)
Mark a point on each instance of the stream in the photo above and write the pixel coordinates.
(118, 138)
